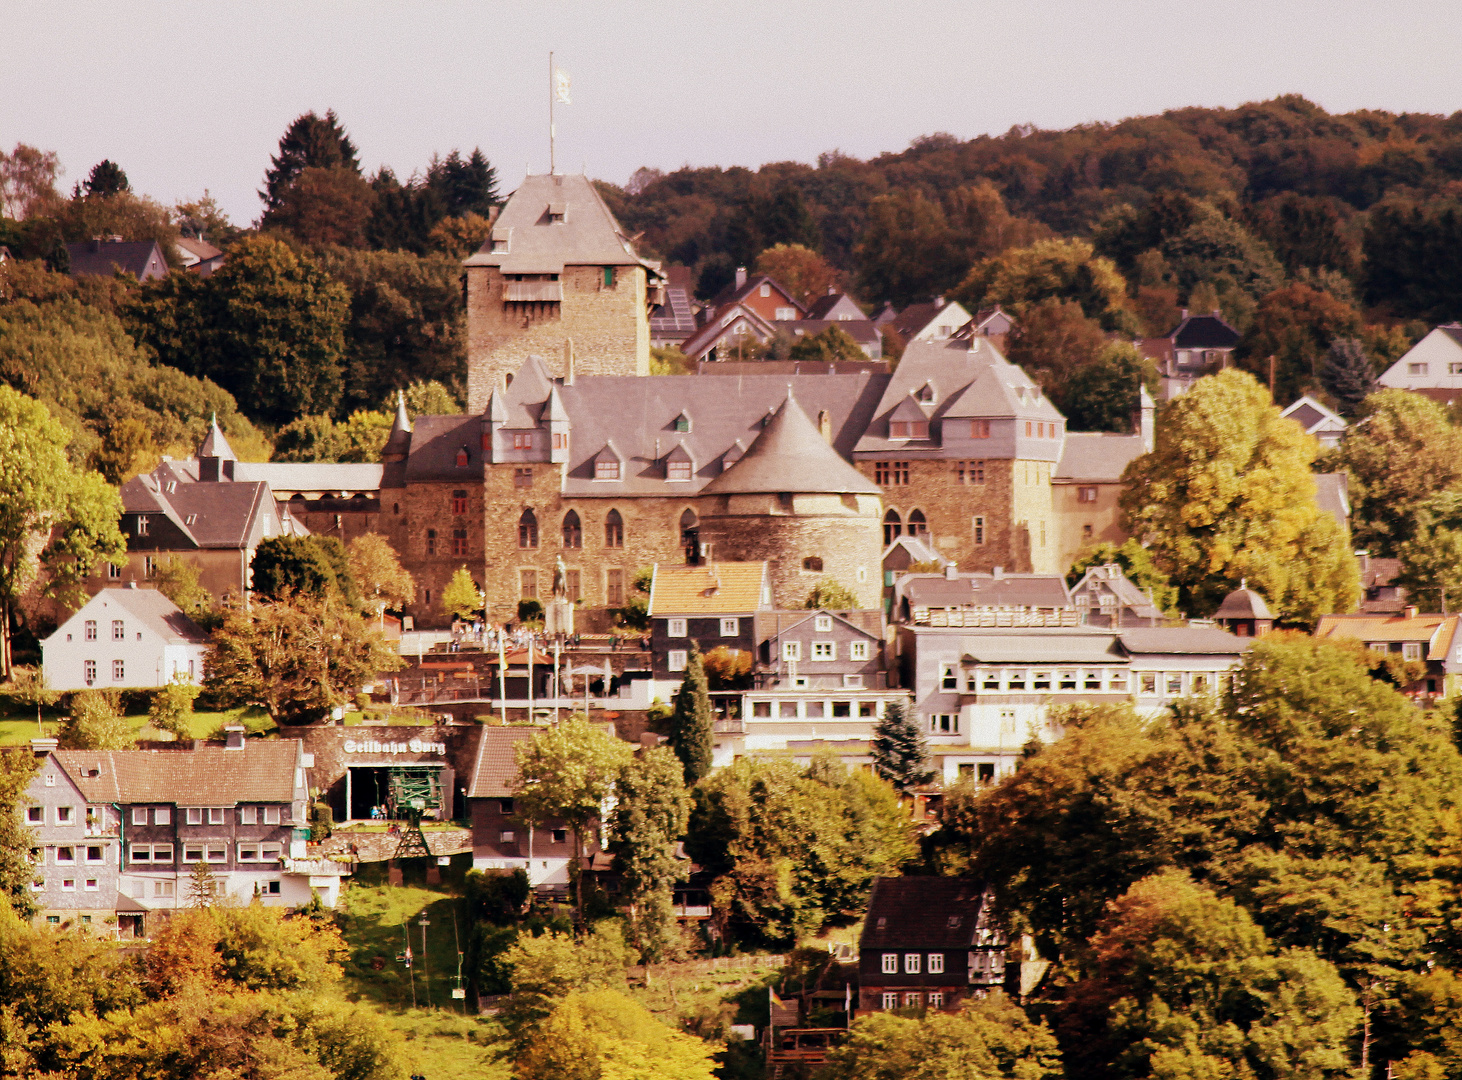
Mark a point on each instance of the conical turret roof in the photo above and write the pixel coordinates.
(790, 455)
(400, 439)
(214, 445)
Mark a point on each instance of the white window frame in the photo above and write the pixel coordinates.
(215, 851)
(675, 628)
(162, 890)
(101, 859)
(857, 650)
(216, 815)
(119, 671)
(890, 1000)
(822, 623)
(792, 651)
(35, 815)
(913, 963)
(193, 852)
(139, 815)
(270, 852)
(271, 815)
(248, 815)
(936, 999)
(63, 861)
(248, 851)
(936, 963)
(162, 815)
(1411, 650)
(68, 884)
(677, 659)
(162, 853)
(91, 884)
(731, 627)
(890, 963)
(193, 815)
(824, 650)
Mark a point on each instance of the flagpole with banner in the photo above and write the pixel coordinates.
(558, 90)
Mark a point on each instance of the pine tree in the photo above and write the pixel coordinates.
(692, 723)
(309, 142)
(1347, 374)
(900, 754)
(106, 178)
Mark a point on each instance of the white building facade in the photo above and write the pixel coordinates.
(124, 639)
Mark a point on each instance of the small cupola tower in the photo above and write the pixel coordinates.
(398, 445)
(216, 458)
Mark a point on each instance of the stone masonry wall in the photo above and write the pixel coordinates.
(608, 325)
(950, 507)
(428, 506)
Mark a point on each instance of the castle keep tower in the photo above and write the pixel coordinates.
(793, 501)
(558, 279)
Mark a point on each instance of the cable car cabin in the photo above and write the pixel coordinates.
(809, 1045)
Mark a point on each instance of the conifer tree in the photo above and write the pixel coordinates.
(309, 142)
(692, 723)
(202, 886)
(900, 753)
(1347, 374)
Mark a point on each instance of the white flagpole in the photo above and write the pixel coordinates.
(551, 93)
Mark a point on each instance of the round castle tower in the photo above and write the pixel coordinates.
(794, 502)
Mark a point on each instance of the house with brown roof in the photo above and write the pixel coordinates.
(1432, 640)
(928, 943)
(935, 321)
(702, 607)
(502, 840)
(198, 256)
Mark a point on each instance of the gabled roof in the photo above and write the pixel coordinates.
(147, 606)
(1204, 332)
(212, 515)
(1437, 631)
(141, 258)
(435, 441)
(1122, 587)
(984, 590)
(262, 770)
(716, 588)
(922, 913)
(790, 455)
(833, 306)
(781, 623)
(733, 293)
(721, 322)
(496, 768)
(1096, 457)
(1182, 640)
(1313, 416)
(587, 233)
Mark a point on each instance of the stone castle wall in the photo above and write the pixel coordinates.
(608, 325)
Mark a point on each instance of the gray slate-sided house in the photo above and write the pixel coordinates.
(954, 598)
(124, 639)
(928, 943)
(502, 841)
(1105, 597)
(76, 854)
(702, 607)
(143, 259)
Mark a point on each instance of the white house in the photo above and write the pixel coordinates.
(1433, 366)
(124, 639)
(1324, 424)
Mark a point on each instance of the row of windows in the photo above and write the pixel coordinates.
(68, 885)
(88, 671)
(62, 815)
(194, 815)
(894, 527)
(573, 586)
(119, 630)
(814, 710)
(572, 530)
(1109, 680)
(912, 963)
(509, 836)
(824, 650)
(204, 851)
(67, 855)
(913, 999)
(729, 627)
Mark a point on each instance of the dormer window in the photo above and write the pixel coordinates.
(908, 429)
(557, 212)
(926, 393)
(979, 429)
(501, 241)
(677, 470)
(682, 422)
(606, 464)
(462, 458)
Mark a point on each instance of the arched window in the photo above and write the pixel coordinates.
(528, 530)
(892, 526)
(917, 527)
(573, 532)
(690, 537)
(614, 530)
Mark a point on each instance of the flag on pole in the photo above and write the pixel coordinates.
(561, 86)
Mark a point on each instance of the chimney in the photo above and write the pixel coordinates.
(492, 213)
(1409, 611)
(1185, 312)
(998, 573)
(233, 736)
(1217, 314)
(951, 571)
(939, 301)
(740, 276)
(131, 583)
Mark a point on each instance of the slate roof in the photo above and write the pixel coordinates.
(496, 767)
(1096, 457)
(1122, 587)
(152, 609)
(1332, 495)
(212, 515)
(984, 590)
(1204, 332)
(215, 444)
(790, 455)
(828, 306)
(734, 293)
(791, 367)
(435, 441)
(914, 318)
(1182, 640)
(722, 321)
(1042, 645)
(972, 379)
(717, 588)
(587, 235)
(922, 913)
(1243, 603)
(1314, 416)
(638, 416)
(1439, 631)
(262, 770)
(142, 258)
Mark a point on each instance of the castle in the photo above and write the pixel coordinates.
(570, 450)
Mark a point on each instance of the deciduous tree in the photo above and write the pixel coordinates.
(650, 814)
(568, 772)
(1105, 394)
(172, 706)
(1227, 495)
(378, 575)
(96, 723)
(800, 270)
(462, 599)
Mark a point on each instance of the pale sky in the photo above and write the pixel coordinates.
(188, 96)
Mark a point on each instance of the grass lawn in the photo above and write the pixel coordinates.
(18, 722)
(444, 1044)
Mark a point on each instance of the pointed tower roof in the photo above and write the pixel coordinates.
(497, 412)
(790, 455)
(1243, 603)
(399, 442)
(214, 445)
(554, 410)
